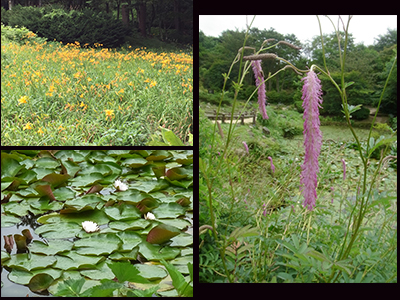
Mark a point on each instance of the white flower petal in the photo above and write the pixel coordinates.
(149, 216)
(89, 226)
(119, 185)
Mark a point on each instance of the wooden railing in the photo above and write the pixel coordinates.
(226, 117)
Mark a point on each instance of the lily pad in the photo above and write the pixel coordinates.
(73, 261)
(162, 233)
(52, 248)
(98, 244)
(8, 221)
(157, 253)
(23, 277)
(151, 272)
(28, 262)
(40, 282)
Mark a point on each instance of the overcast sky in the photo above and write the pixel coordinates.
(363, 28)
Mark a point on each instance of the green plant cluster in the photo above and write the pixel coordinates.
(67, 26)
(358, 93)
(19, 35)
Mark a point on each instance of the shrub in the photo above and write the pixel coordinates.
(67, 26)
(19, 35)
(213, 98)
(299, 106)
(285, 97)
(393, 122)
(361, 114)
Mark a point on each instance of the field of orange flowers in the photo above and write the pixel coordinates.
(55, 94)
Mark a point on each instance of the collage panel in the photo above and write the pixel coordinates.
(97, 223)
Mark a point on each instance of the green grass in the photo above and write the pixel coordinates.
(54, 94)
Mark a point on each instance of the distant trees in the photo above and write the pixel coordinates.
(368, 66)
(168, 20)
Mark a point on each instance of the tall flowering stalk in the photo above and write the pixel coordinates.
(312, 138)
(259, 76)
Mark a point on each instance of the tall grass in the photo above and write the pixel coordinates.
(55, 94)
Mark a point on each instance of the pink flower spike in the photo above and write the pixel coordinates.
(344, 169)
(272, 165)
(246, 147)
(259, 76)
(312, 138)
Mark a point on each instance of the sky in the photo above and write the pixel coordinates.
(363, 28)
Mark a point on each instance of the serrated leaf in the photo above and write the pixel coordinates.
(125, 271)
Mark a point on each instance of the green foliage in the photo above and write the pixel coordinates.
(357, 93)
(299, 106)
(393, 122)
(213, 98)
(389, 100)
(284, 97)
(361, 114)
(66, 26)
(19, 35)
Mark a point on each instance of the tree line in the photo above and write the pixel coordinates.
(366, 66)
(169, 20)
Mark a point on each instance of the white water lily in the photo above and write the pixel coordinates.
(149, 216)
(119, 185)
(90, 226)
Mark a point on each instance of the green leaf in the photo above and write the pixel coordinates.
(170, 138)
(317, 255)
(98, 244)
(178, 281)
(162, 233)
(151, 272)
(156, 253)
(380, 141)
(40, 282)
(9, 166)
(347, 84)
(52, 248)
(125, 271)
(70, 287)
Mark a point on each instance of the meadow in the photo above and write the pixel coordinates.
(56, 94)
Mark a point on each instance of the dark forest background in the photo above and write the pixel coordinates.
(366, 66)
(109, 22)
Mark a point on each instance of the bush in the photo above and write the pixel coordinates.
(285, 97)
(299, 106)
(85, 27)
(361, 114)
(213, 98)
(19, 35)
(393, 122)
(357, 93)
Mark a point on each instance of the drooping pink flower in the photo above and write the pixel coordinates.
(312, 138)
(344, 169)
(272, 165)
(246, 147)
(259, 76)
